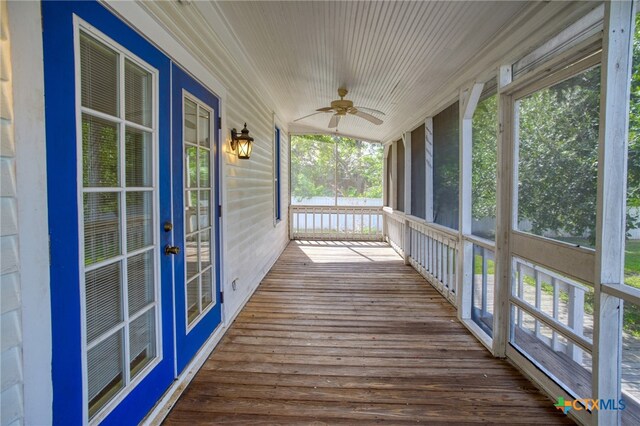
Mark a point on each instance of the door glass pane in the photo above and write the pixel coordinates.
(205, 249)
(192, 255)
(99, 76)
(446, 142)
(105, 371)
(558, 159)
(142, 341)
(205, 209)
(137, 94)
(103, 291)
(204, 167)
(190, 211)
(204, 123)
(140, 276)
(101, 226)
(207, 288)
(100, 156)
(484, 167)
(191, 166)
(139, 220)
(192, 299)
(138, 158)
(189, 121)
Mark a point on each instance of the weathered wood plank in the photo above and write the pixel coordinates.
(332, 337)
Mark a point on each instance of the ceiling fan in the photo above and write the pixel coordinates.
(341, 107)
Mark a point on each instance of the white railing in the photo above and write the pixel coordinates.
(430, 248)
(394, 229)
(556, 303)
(336, 222)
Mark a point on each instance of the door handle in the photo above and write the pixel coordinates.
(171, 250)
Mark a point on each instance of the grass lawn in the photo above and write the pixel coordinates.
(632, 263)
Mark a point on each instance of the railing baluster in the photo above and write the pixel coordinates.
(520, 290)
(554, 337)
(485, 275)
(538, 299)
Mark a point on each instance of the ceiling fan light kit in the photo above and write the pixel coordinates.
(341, 107)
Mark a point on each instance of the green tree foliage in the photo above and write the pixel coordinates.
(558, 153)
(484, 161)
(314, 162)
(633, 182)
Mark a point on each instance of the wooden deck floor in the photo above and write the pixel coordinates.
(344, 333)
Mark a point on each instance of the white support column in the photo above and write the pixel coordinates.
(406, 138)
(610, 226)
(428, 169)
(385, 184)
(393, 188)
(469, 101)
(503, 217)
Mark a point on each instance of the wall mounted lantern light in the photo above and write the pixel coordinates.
(241, 144)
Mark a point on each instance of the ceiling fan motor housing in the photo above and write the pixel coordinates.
(342, 105)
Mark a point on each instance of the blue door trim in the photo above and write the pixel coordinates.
(59, 74)
(188, 344)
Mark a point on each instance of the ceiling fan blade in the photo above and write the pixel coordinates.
(375, 111)
(368, 117)
(325, 109)
(335, 119)
(306, 116)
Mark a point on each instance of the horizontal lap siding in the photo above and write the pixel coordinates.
(11, 393)
(252, 242)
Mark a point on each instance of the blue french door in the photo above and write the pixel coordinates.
(107, 107)
(196, 200)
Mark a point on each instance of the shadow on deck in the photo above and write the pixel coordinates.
(346, 333)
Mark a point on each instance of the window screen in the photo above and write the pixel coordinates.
(484, 167)
(418, 172)
(400, 178)
(446, 144)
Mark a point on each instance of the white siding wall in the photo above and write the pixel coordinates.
(251, 242)
(11, 395)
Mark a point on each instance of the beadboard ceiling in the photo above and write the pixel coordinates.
(391, 56)
(398, 57)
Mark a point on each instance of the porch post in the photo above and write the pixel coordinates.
(611, 211)
(428, 169)
(393, 188)
(468, 101)
(406, 138)
(504, 213)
